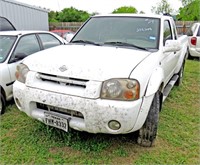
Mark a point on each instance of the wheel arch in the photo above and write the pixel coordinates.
(145, 108)
(155, 83)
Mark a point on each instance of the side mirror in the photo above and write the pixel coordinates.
(68, 37)
(172, 46)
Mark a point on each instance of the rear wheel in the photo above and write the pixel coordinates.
(147, 134)
(189, 56)
(180, 75)
(2, 104)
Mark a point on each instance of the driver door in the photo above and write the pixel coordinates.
(170, 59)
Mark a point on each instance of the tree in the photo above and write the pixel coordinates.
(72, 15)
(162, 7)
(125, 9)
(53, 16)
(186, 2)
(68, 15)
(190, 12)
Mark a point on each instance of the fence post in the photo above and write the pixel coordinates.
(184, 29)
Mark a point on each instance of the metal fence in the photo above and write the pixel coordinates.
(182, 26)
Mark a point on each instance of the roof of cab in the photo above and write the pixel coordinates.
(133, 15)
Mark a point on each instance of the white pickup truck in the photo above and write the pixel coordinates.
(111, 78)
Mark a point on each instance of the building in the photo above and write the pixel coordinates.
(23, 16)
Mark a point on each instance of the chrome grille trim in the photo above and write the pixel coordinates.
(62, 80)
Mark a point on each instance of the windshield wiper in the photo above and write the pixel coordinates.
(85, 42)
(117, 43)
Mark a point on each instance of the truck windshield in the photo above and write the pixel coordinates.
(138, 32)
(6, 43)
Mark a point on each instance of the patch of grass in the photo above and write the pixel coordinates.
(27, 141)
(121, 152)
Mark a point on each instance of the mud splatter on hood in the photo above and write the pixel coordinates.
(86, 61)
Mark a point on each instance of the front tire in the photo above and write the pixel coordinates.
(2, 104)
(147, 134)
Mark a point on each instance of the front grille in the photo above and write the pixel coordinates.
(71, 113)
(68, 81)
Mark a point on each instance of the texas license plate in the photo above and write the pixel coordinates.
(56, 121)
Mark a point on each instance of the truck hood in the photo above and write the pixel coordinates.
(86, 61)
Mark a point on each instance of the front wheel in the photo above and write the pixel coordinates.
(2, 104)
(147, 134)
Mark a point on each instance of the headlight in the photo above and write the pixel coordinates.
(120, 89)
(21, 72)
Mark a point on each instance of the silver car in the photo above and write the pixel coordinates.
(194, 41)
(14, 46)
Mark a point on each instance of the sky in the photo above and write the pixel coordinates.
(100, 6)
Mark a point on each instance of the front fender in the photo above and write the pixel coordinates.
(155, 81)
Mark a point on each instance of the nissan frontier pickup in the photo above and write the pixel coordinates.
(112, 77)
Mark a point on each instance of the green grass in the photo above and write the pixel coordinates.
(27, 141)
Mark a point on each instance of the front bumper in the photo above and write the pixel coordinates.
(90, 115)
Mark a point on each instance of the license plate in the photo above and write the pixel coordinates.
(56, 121)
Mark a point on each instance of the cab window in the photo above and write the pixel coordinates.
(174, 31)
(167, 32)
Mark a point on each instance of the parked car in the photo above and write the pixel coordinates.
(194, 41)
(6, 25)
(117, 71)
(14, 46)
(62, 33)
